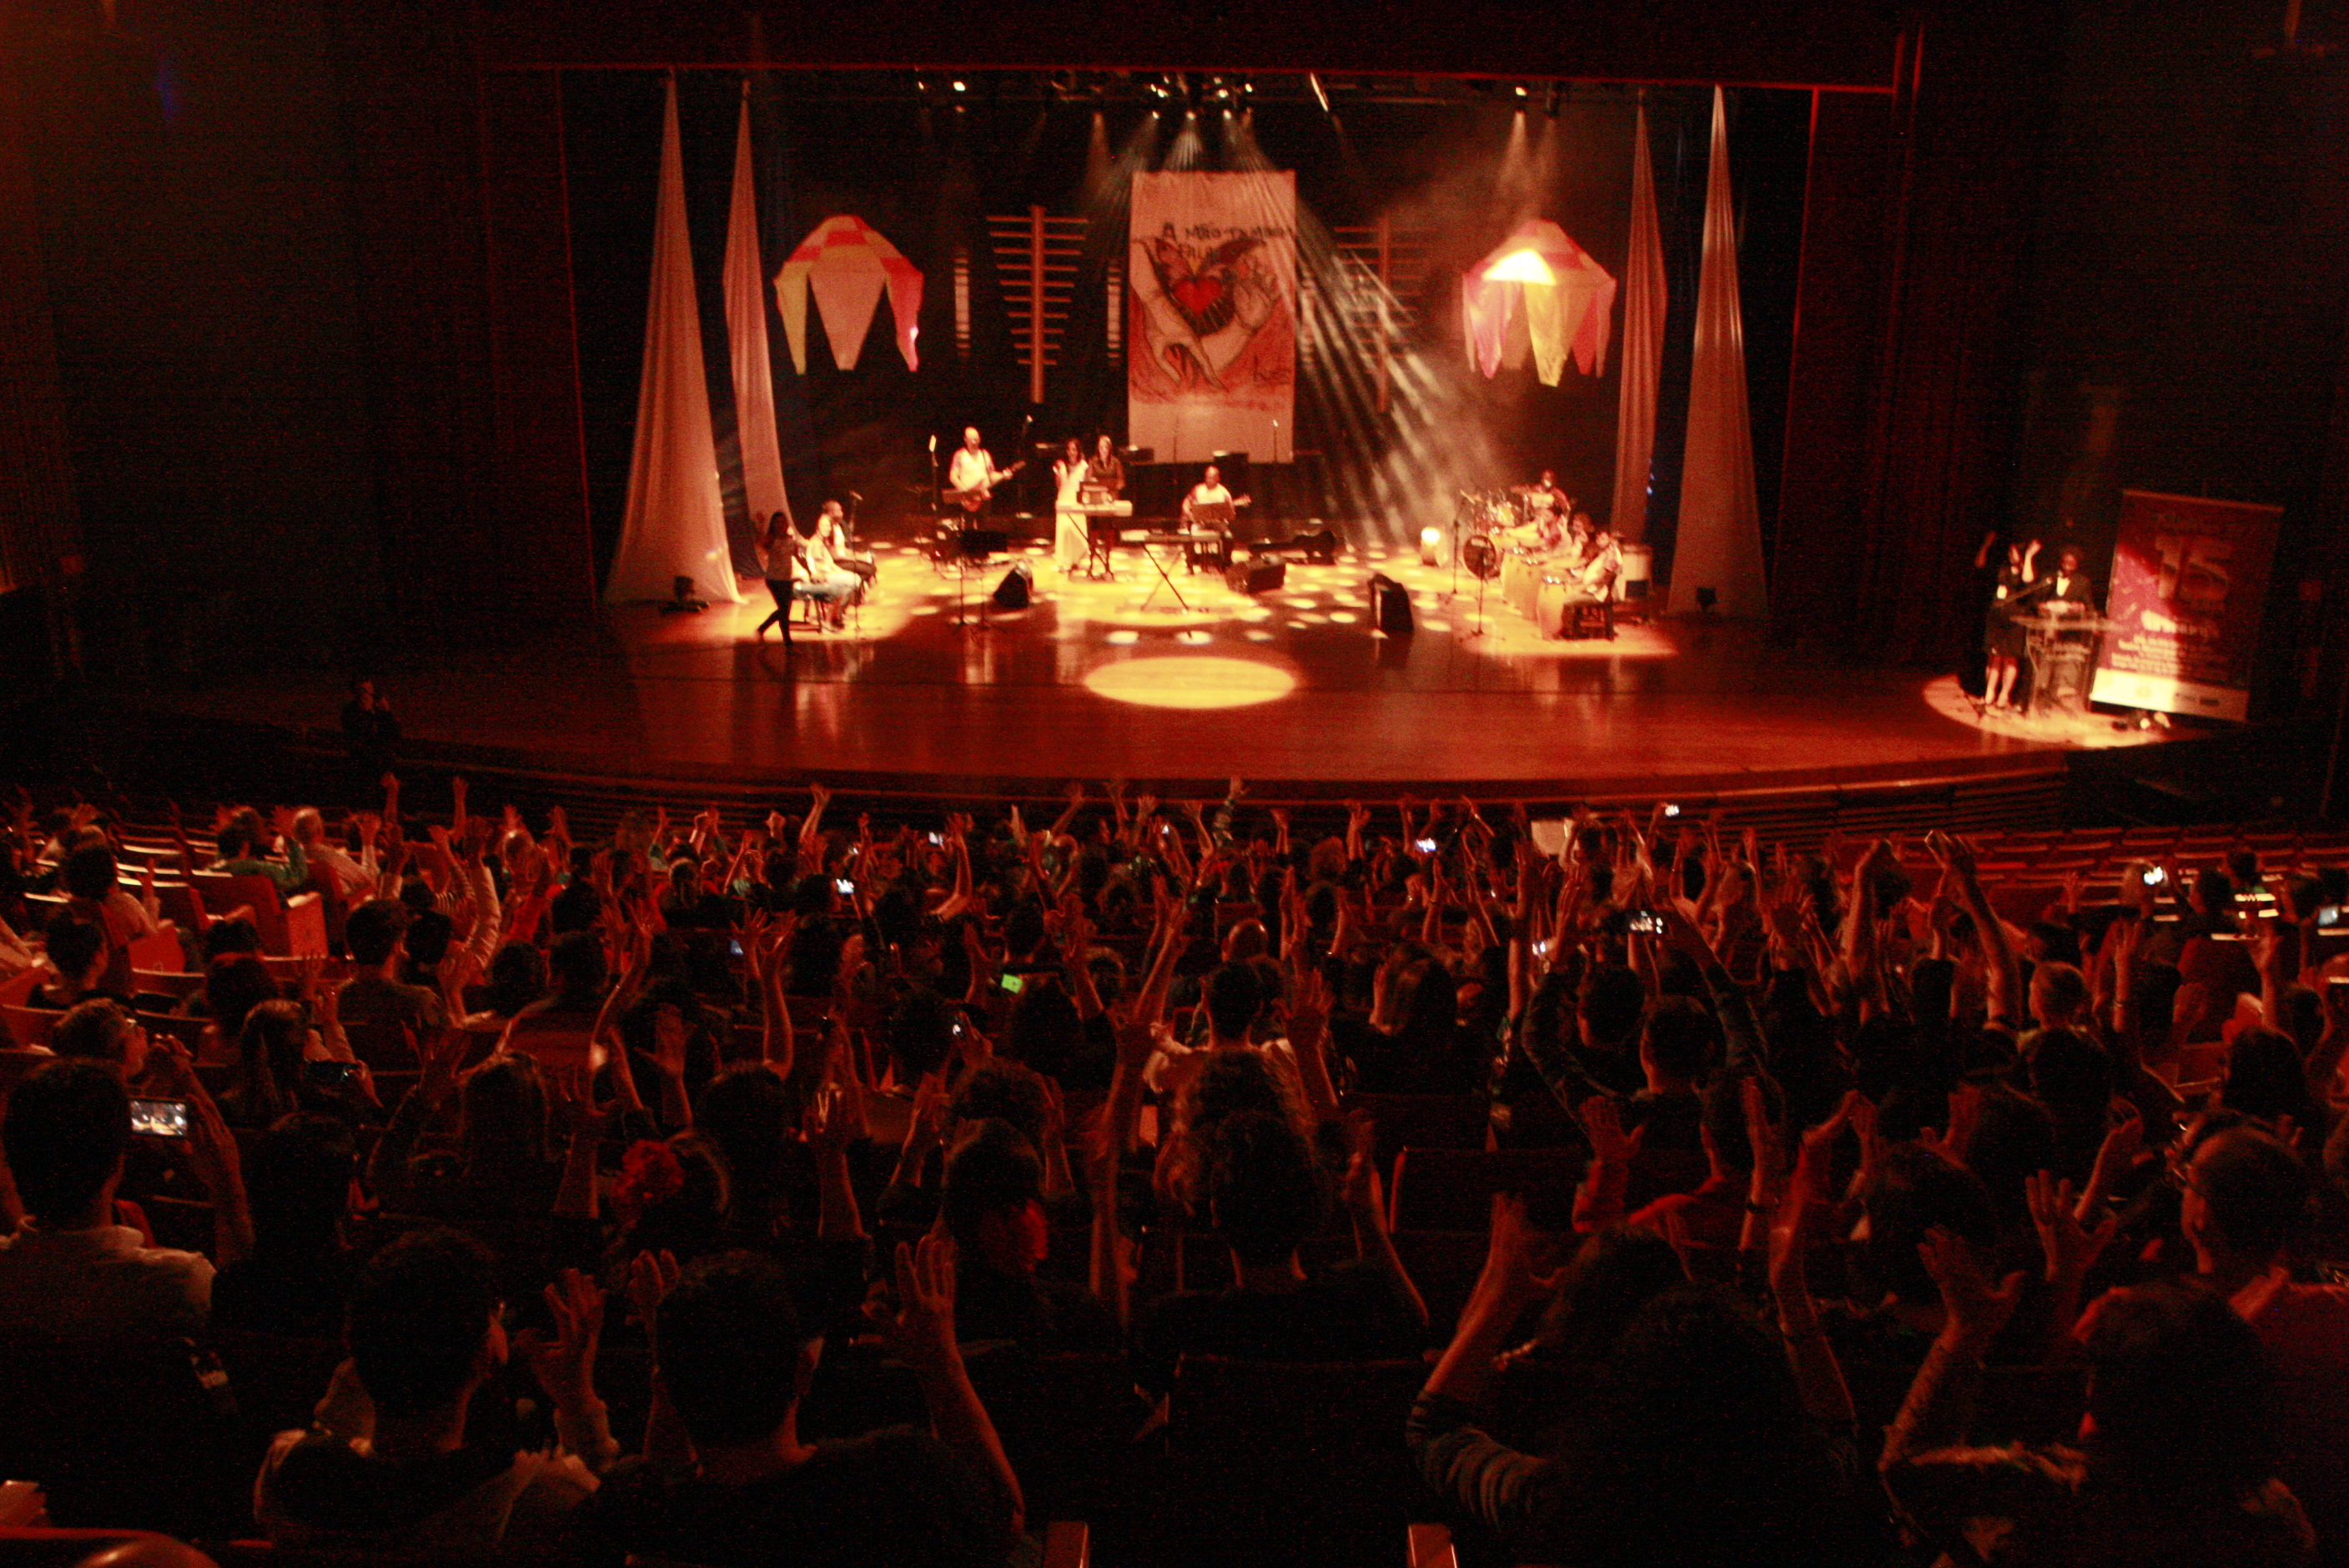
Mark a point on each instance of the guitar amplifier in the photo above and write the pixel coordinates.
(1258, 574)
(1390, 606)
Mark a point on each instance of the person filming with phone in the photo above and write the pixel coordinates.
(70, 1277)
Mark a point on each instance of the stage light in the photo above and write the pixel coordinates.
(1430, 547)
(1549, 104)
(1191, 681)
(1521, 89)
(959, 88)
(1313, 80)
(1524, 267)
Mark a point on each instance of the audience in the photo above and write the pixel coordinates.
(1105, 1088)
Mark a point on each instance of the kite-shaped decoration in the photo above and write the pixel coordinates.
(848, 263)
(1539, 293)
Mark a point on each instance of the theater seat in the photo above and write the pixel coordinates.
(124, 1438)
(1290, 1463)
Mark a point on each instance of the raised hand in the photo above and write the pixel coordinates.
(1814, 1161)
(1762, 1141)
(918, 1327)
(1512, 1278)
(1977, 1308)
(1603, 1123)
(651, 1276)
(2071, 1248)
(565, 1363)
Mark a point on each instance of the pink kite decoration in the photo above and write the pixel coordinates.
(848, 263)
(1539, 292)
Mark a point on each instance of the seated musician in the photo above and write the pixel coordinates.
(832, 527)
(1593, 575)
(1546, 497)
(1209, 508)
(1542, 533)
(818, 576)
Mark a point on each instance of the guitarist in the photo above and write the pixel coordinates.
(972, 476)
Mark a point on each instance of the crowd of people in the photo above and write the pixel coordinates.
(671, 1196)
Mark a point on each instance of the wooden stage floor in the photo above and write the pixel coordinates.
(1104, 679)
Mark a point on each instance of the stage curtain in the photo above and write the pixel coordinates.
(1643, 347)
(746, 336)
(676, 523)
(1719, 543)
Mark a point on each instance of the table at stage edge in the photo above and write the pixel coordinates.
(2050, 640)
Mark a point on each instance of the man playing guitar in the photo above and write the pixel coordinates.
(972, 476)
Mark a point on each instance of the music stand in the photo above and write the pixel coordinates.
(1151, 555)
(1101, 539)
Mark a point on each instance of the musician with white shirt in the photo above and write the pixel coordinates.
(972, 476)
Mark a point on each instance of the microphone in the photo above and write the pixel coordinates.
(853, 495)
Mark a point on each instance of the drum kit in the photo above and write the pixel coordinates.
(1491, 521)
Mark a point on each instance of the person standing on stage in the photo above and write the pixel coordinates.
(1104, 474)
(1068, 478)
(972, 476)
(777, 547)
(2068, 590)
(2003, 639)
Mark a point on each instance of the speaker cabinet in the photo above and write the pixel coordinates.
(1013, 593)
(1258, 574)
(1390, 606)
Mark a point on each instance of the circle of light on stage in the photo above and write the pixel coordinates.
(1190, 682)
(1122, 637)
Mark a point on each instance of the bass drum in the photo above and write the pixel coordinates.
(1482, 557)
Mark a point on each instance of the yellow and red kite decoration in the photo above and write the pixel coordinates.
(1538, 293)
(848, 263)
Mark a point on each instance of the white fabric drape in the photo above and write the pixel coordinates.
(1719, 544)
(746, 337)
(676, 523)
(1643, 348)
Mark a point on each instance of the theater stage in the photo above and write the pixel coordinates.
(1293, 691)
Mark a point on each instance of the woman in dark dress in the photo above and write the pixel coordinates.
(2003, 639)
(777, 548)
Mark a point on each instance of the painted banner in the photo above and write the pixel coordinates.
(1211, 356)
(2189, 576)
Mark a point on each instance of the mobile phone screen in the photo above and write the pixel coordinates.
(160, 1117)
(1012, 984)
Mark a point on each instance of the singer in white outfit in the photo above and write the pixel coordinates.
(1069, 543)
